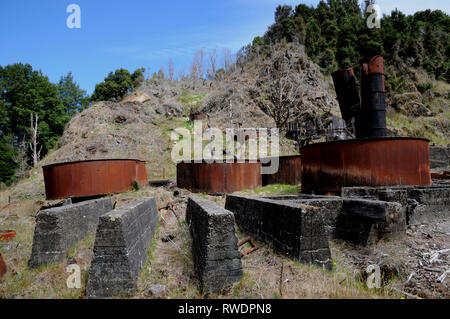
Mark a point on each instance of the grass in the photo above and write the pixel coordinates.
(190, 100)
(47, 281)
(170, 263)
(432, 128)
(274, 189)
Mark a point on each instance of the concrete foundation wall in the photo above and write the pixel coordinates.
(365, 222)
(214, 244)
(58, 229)
(423, 204)
(121, 248)
(291, 228)
(439, 156)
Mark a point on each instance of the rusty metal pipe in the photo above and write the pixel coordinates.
(347, 93)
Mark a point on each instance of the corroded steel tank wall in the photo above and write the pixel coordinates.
(218, 177)
(327, 167)
(90, 178)
(289, 171)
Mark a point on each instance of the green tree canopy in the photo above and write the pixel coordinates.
(74, 99)
(116, 85)
(24, 91)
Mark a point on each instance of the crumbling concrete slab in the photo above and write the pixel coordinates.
(58, 228)
(291, 228)
(423, 203)
(365, 221)
(439, 156)
(214, 244)
(428, 204)
(121, 248)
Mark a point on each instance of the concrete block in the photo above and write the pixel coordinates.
(365, 222)
(439, 156)
(58, 229)
(121, 248)
(289, 227)
(428, 204)
(214, 244)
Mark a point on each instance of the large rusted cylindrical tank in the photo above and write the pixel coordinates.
(327, 167)
(289, 171)
(91, 178)
(218, 177)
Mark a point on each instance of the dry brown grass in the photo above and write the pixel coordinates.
(171, 263)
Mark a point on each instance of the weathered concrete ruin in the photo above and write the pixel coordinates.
(288, 226)
(121, 248)
(439, 156)
(214, 244)
(303, 224)
(421, 204)
(58, 229)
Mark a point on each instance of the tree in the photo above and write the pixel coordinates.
(197, 66)
(171, 70)
(212, 63)
(8, 154)
(74, 99)
(23, 92)
(227, 59)
(116, 85)
(281, 90)
(35, 154)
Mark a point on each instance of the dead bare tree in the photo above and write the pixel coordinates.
(171, 70)
(22, 160)
(34, 118)
(212, 62)
(280, 86)
(197, 66)
(227, 59)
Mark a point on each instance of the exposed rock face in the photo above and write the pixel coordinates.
(215, 244)
(121, 248)
(170, 108)
(57, 229)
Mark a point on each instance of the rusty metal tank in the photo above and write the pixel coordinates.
(329, 166)
(218, 177)
(289, 171)
(91, 178)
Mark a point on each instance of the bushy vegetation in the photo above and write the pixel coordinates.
(335, 35)
(117, 84)
(26, 93)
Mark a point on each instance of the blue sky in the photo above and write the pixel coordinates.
(138, 33)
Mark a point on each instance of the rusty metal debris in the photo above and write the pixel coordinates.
(2, 267)
(170, 207)
(248, 251)
(444, 175)
(90, 178)
(7, 234)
